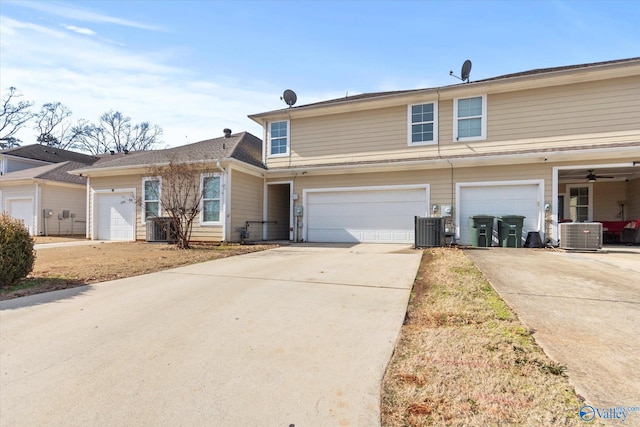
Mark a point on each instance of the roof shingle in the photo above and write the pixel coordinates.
(242, 146)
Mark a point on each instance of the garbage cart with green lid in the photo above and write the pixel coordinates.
(481, 230)
(510, 231)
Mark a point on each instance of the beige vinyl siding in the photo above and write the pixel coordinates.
(585, 108)
(246, 204)
(575, 115)
(606, 196)
(442, 191)
(355, 136)
(59, 199)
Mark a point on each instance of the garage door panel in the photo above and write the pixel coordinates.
(499, 200)
(373, 216)
(22, 210)
(115, 216)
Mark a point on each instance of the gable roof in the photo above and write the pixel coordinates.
(57, 172)
(373, 95)
(44, 153)
(241, 146)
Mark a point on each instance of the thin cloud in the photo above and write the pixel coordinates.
(80, 30)
(72, 12)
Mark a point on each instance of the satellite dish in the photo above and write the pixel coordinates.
(464, 74)
(466, 69)
(289, 97)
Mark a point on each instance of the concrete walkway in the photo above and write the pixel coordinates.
(585, 308)
(298, 335)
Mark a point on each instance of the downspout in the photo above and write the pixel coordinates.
(226, 196)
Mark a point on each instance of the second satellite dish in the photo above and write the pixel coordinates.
(464, 73)
(289, 97)
(466, 69)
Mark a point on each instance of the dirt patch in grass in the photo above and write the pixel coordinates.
(464, 359)
(71, 266)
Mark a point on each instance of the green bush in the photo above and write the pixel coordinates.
(16, 251)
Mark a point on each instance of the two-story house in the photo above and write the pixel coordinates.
(552, 145)
(36, 188)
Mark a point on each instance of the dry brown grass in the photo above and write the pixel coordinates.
(71, 266)
(464, 359)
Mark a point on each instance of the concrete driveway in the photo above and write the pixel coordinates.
(298, 335)
(585, 308)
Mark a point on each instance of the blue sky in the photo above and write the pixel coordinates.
(196, 67)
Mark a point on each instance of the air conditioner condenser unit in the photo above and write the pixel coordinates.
(585, 236)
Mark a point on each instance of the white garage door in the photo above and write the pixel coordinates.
(498, 200)
(22, 209)
(116, 216)
(364, 215)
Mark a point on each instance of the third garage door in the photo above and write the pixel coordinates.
(500, 199)
(364, 215)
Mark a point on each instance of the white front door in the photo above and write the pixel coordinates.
(115, 216)
(22, 210)
(364, 215)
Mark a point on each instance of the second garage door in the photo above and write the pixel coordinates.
(116, 216)
(500, 199)
(364, 215)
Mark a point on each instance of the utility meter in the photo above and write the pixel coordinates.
(297, 210)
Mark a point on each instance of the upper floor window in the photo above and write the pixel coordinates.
(279, 138)
(470, 118)
(211, 203)
(423, 124)
(151, 189)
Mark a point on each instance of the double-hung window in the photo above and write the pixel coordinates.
(470, 118)
(279, 138)
(423, 124)
(580, 202)
(151, 189)
(211, 203)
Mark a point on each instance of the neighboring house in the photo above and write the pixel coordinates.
(123, 191)
(359, 168)
(36, 188)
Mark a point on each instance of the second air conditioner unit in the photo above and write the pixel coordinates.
(586, 236)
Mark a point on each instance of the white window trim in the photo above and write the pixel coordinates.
(143, 214)
(220, 198)
(435, 125)
(483, 125)
(286, 153)
(567, 200)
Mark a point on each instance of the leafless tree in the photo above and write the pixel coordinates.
(13, 116)
(116, 132)
(181, 197)
(54, 126)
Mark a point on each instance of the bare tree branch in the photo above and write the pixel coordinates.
(116, 132)
(55, 128)
(13, 116)
(181, 196)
